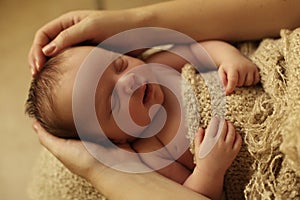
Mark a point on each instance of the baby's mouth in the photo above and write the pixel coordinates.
(147, 93)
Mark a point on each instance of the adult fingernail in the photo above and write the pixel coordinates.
(32, 71)
(37, 65)
(49, 49)
(35, 127)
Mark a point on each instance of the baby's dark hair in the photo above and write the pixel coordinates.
(40, 104)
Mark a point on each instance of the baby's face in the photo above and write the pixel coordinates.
(111, 97)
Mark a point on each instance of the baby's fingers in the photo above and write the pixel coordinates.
(256, 77)
(199, 135)
(249, 80)
(232, 81)
(252, 77)
(231, 134)
(237, 143)
(223, 77)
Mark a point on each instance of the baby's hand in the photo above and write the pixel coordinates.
(238, 71)
(219, 159)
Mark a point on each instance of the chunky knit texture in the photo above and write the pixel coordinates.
(267, 116)
(53, 181)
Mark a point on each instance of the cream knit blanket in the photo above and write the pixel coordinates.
(267, 116)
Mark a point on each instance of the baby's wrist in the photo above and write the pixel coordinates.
(209, 171)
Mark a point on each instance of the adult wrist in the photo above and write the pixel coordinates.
(140, 17)
(96, 172)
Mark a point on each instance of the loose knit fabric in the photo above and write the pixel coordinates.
(53, 181)
(267, 117)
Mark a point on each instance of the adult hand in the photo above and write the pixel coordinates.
(69, 151)
(74, 28)
(79, 26)
(105, 179)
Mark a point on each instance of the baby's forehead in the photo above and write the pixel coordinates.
(83, 53)
(85, 57)
(86, 50)
(73, 57)
(77, 51)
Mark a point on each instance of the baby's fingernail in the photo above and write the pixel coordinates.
(221, 123)
(229, 90)
(215, 119)
(49, 49)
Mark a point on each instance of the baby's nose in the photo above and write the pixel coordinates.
(128, 83)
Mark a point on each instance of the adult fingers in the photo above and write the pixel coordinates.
(66, 38)
(47, 33)
(43, 36)
(52, 143)
(36, 57)
(63, 149)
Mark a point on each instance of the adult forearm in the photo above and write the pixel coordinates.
(123, 186)
(228, 20)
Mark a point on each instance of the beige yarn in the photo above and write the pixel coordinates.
(53, 181)
(267, 117)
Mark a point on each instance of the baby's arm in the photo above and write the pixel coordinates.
(208, 175)
(174, 170)
(170, 59)
(233, 67)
